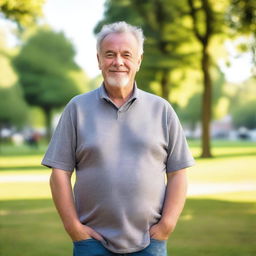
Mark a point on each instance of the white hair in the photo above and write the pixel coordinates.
(121, 27)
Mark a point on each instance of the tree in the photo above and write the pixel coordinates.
(241, 19)
(204, 31)
(191, 112)
(23, 12)
(43, 65)
(209, 20)
(165, 22)
(165, 35)
(170, 26)
(244, 92)
(14, 110)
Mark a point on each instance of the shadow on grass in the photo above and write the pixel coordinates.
(229, 154)
(224, 143)
(206, 227)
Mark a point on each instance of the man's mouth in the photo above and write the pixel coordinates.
(117, 71)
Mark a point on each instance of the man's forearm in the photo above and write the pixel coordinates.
(173, 204)
(60, 183)
(175, 198)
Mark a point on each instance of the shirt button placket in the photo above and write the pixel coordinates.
(118, 114)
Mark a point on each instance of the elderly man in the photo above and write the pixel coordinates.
(129, 153)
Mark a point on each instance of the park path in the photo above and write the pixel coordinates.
(24, 178)
(193, 190)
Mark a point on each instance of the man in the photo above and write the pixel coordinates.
(122, 142)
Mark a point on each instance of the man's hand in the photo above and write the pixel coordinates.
(160, 231)
(83, 232)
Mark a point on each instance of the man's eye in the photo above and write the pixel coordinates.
(109, 55)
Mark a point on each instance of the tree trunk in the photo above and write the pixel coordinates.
(165, 89)
(48, 122)
(207, 104)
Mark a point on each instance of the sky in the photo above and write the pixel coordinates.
(77, 19)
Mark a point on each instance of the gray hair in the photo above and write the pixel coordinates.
(121, 27)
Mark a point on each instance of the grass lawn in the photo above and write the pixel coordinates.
(219, 224)
(206, 227)
(215, 228)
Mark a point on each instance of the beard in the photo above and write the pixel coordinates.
(118, 81)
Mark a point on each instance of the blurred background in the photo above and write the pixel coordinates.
(199, 55)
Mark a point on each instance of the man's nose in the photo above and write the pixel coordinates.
(118, 61)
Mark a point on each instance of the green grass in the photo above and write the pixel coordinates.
(238, 168)
(24, 190)
(206, 227)
(224, 149)
(8, 149)
(221, 224)
(215, 228)
(32, 228)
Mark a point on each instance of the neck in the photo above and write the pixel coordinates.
(119, 95)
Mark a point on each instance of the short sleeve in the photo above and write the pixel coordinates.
(61, 150)
(179, 155)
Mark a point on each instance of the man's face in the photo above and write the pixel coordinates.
(119, 59)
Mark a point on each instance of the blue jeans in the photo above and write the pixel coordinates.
(92, 247)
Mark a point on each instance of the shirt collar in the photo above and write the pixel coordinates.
(104, 95)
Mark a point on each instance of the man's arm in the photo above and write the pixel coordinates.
(173, 205)
(60, 183)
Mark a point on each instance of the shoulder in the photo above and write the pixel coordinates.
(80, 103)
(83, 100)
(156, 102)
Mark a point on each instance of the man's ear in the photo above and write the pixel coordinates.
(139, 62)
(98, 58)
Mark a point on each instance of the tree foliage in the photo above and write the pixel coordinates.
(43, 65)
(190, 114)
(241, 16)
(165, 36)
(241, 19)
(13, 108)
(204, 26)
(23, 12)
(170, 26)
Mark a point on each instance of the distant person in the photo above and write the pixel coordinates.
(123, 143)
(33, 139)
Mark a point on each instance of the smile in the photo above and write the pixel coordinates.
(118, 71)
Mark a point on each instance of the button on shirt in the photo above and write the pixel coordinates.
(121, 156)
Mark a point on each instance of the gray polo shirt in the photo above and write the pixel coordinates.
(121, 156)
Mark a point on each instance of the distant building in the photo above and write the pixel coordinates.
(222, 128)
